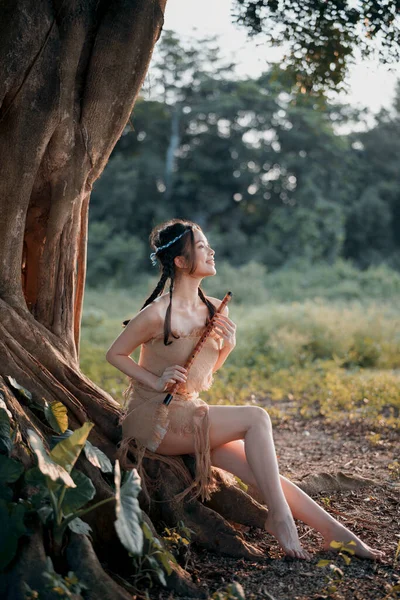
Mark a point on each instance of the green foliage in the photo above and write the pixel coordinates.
(97, 457)
(233, 591)
(319, 61)
(57, 416)
(154, 563)
(10, 470)
(12, 528)
(59, 495)
(75, 498)
(61, 587)
(256, 162)
(331, 357)
(129, 514)
(67, 451)
(47, 465)
(19, 388)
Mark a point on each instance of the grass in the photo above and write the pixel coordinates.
(324, 354)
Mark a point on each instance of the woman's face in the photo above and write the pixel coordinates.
(204, 256)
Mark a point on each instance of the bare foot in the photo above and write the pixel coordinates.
(339, 533)
(283, 528)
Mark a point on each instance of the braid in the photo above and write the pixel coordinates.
(157, 292)
(169, 268)
(211, 308)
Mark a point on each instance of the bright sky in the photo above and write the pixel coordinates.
(370, 84)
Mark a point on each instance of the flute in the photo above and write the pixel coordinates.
(198, 347)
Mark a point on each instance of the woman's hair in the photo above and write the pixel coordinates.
(184, 246)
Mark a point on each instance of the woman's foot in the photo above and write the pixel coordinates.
(283, 528)
(339, 533)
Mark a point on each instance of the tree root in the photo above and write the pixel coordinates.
(29, 568)
(179, 581)
(106, 541)
(235, 505)
(83, 561)
(211, 530)
(316, 483)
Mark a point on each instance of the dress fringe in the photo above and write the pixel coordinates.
(203, 483)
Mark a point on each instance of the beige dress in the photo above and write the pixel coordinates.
(147, 419)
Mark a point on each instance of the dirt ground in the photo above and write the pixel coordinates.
(305, 447)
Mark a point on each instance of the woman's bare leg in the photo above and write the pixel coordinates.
(232, 457)
(253, 424)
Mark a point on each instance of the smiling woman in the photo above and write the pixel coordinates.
(237, 439)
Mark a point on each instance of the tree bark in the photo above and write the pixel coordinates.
(68, 88)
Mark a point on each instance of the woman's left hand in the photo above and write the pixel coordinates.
(225, 328)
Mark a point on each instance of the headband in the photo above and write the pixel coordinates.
(153, 255)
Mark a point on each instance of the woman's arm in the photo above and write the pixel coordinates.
(145, 325)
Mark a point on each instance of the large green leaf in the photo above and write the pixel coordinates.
(78, 496)
(5, 430)
(6, 494)
(35, 478)
(97, 457)
(46, 463)
(23, 391)
(12, 528)
(57, 415)
(66, 452)
(10, 470)
(39, 487)
(79, 526)
(129, 514)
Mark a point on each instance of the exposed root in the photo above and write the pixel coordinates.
(235, 505)
(83, 561)
(29, 568)
(179, 581)
(317, 483)
(211, 531)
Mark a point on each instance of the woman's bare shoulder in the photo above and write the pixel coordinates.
(155, 311)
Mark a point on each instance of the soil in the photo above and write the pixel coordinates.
(312, 446)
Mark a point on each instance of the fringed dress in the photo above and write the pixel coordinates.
(146, 419)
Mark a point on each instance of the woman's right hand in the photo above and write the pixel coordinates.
(171, 375)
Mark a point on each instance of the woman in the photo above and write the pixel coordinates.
(237, 439)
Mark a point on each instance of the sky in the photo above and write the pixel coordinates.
(370, 84)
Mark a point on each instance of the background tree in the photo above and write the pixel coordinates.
(256, 161)
(322, 37)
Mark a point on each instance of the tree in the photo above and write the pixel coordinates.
(322, 36)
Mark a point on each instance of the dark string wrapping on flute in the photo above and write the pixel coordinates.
(198, 347)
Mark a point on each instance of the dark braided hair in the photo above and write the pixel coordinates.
(185, 246)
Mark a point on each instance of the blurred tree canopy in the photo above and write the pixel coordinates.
(258, 163)
(322, 35)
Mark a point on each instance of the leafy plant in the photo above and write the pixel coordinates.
(61, 491)
(154, 564)
(233, 591)
(62, 587)
(57, 492)
(177, 540)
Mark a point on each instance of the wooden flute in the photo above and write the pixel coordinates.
(198, 347)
